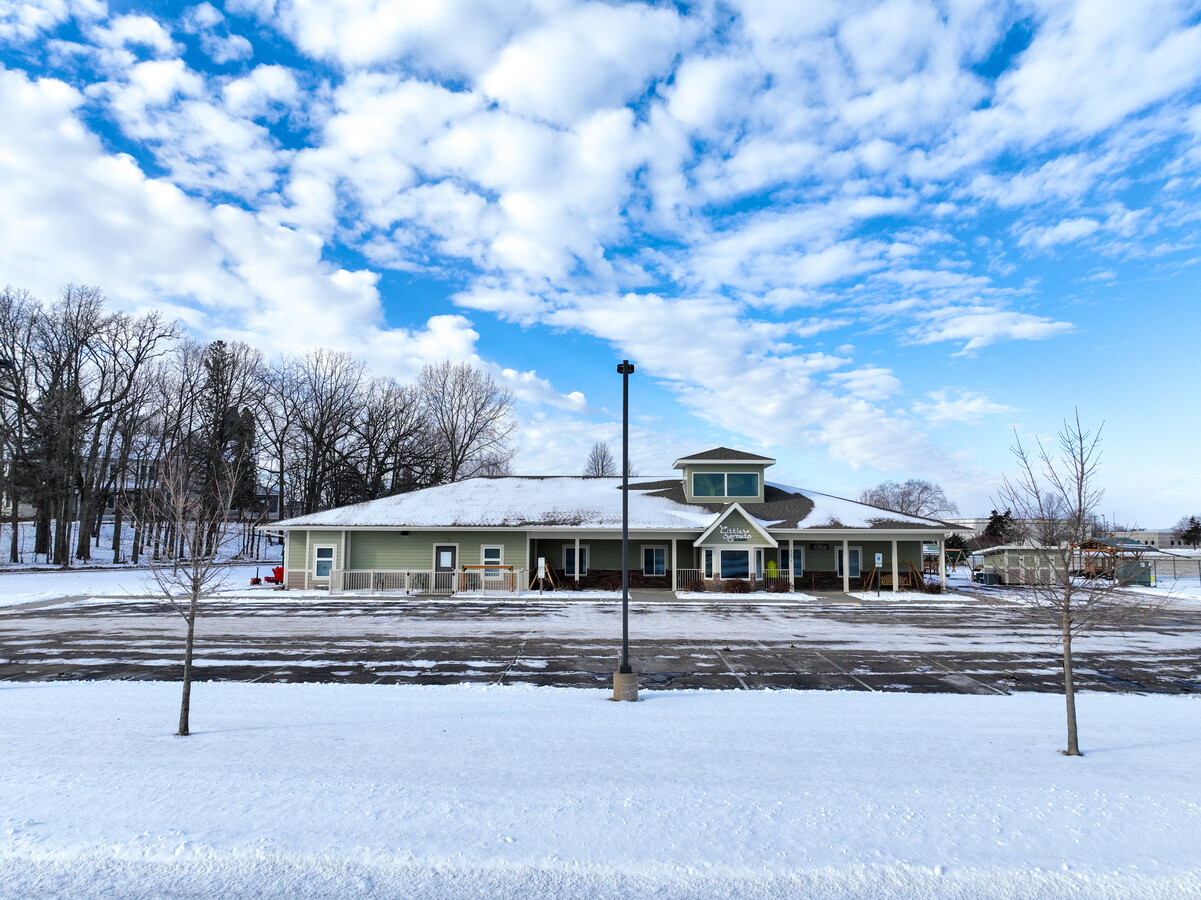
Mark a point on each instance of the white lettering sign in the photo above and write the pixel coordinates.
(734, 535)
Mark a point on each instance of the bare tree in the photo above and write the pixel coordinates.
(330, 389)
(197, 487)
(1055, 492)
(600, 461)
(199, 515)
(470, 418)
(914, 497)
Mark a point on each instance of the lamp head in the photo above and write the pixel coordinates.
(625, 367)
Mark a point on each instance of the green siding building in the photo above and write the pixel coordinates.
(719, 518)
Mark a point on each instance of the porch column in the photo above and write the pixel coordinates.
(673, 565)
(577, 559)
(942, 564)
(896, 567)
(791, 564)
(307, 535)
(846, 566)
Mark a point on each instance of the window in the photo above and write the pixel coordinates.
(725, 484)
(742, 484)
(855, 554)
(735, 563)
(708, 554)
(323, 561)
(492, 556)
(654, 560)
(798, 564)
(569, 559)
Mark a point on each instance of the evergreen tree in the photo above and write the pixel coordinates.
(1001, 525)
(1188, 531)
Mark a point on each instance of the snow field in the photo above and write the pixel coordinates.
(371, 791)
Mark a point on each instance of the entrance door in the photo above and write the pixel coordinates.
(446, 562)
(853, 553)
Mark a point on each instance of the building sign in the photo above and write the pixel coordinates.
(819, 546)
(733, 535)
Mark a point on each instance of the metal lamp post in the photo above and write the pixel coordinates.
(625, 679)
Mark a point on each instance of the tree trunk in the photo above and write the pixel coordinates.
(14, 547)
(185, 705)
(41, 533)
(117, 511)
(1069, 685)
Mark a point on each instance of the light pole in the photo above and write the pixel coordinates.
(625, 679)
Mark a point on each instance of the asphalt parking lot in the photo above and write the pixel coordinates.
(949, 644)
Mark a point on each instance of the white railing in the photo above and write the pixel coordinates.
(686, 577)
(423, 581)
(492, 581)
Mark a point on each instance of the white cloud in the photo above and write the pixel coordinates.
(980, 326)
(967, 407)
(25, 20)
(225, 271)
(872, 383)
(458, 37)
(1064, 232)
(592, 57)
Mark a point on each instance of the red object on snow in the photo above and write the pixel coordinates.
(276, 576)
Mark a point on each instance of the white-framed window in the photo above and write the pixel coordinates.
(725, 484)
(735, 563)
(707, 562)
(856, 555)
(569, 559)
(492, 556)
(323, 560)
(798, 564)
(654, 561)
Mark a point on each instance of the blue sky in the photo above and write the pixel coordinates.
(869, 239)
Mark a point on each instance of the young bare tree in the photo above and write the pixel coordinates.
(600, 461)
(197, 487)
(198, 514)
(915, 497)
(1055, 492)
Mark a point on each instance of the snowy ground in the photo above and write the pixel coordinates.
(20, 587)
(358, 791)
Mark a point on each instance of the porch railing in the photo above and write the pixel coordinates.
(424, 581)
(765, 582)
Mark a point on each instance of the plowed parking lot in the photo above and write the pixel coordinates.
(948, 644)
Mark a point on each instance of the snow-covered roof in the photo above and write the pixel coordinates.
(584, 502)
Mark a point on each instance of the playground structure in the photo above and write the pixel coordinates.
(908, 578)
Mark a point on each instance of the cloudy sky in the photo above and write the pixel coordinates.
(869, 239)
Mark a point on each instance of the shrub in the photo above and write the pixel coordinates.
(736, 586)
(779, 586)
(696, 585)
(933, 587)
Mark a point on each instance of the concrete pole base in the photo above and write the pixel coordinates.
(625, 686)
